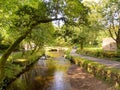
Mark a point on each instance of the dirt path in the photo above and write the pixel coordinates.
(81, 80)
(114, 64)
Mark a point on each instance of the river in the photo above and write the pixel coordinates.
(45, 75)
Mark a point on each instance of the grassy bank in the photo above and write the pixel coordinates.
(17, 64)
(107, 74)
(98, 52)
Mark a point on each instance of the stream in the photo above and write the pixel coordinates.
(47, 74)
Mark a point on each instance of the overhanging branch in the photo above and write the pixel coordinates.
(17, 42)
(50, 20)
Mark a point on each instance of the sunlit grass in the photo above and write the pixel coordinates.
(16, 63)
(93, 48)
(21, 60)
(99, 52)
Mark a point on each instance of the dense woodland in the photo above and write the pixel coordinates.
(81, 23)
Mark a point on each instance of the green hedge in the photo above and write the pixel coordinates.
(110, 75)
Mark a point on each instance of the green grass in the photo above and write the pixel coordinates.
(17, 62)
(94, 48)
(98, 52)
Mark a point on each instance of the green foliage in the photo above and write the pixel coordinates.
(27, 57)
(23, 15)
(67, 54)
(20, 18)
(11, 70)
(111, 19)
(95, 23)
(43, 34)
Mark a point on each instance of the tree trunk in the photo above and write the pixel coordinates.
(17, 42)
(118, 43)
(118, 40)
(12, 47)
(81, 45)
(9, 51)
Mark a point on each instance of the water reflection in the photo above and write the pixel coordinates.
(60, 82)
(45, 75)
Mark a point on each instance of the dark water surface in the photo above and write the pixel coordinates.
(45, 75)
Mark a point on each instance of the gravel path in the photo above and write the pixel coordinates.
(106, 62)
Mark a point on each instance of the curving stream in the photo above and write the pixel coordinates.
(45, 75)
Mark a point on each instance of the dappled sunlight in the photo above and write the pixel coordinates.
(79, 75)
(21, 60)
(80, 80)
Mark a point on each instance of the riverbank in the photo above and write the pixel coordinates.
(14, 70)
(81, 80)
(57, 74)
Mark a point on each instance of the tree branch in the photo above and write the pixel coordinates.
(19, 40)
(50, 20)
(114, 27)
(111, 33)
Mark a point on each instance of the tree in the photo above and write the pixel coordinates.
(42, 35)
(28, 16)
(111, 15)
(27, 24)
(79, 39)
(95, 19)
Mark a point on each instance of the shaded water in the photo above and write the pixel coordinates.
(45, 75)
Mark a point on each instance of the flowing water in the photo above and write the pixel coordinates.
(45, 75)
